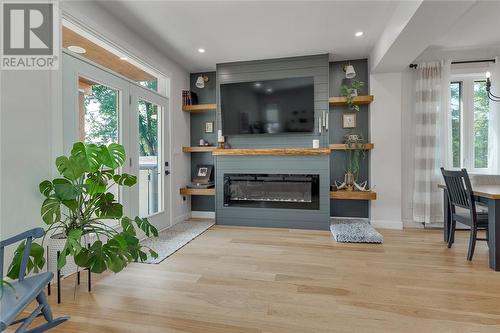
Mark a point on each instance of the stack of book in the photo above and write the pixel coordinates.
(188, 98)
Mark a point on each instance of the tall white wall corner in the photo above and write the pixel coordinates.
(386, 158)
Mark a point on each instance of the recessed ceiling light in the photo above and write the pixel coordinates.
(257, 84)
(269, 90)
(201, 50)
(358, 34)
(77, 49)
(123, 58)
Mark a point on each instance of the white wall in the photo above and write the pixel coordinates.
(385, 164)
(31, 121)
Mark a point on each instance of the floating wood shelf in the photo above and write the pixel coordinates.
(358, 100)
(274, 151)
(197, 191)
(199, 108)
(343, 146)
(200, 149)
(353, 195)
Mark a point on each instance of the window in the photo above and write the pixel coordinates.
(469, 120)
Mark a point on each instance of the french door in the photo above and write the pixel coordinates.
(101, 107)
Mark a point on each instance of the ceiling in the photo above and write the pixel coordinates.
(251, 30)
(478, 27)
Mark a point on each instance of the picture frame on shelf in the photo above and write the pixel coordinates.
(349, 120)
(209, 127)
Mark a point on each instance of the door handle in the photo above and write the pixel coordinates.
(167, 172)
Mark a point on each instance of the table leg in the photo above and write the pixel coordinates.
(494, 233)
(447, 216)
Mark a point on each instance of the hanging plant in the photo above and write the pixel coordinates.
(351, 91)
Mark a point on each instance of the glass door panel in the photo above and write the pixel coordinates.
(150, 155)
(150, 180)
(98, 113)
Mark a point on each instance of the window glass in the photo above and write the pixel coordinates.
(456, 118)
(481, 117)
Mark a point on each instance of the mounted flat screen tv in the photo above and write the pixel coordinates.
(268, 107)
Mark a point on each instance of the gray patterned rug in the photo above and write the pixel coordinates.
(173, 238)
(354, 231)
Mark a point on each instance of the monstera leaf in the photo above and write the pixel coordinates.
(36, 260)
(145, 226)
(108, 208)
(68, 167)
(51, 210)
(125, 179)
(113, 156)
(88, 156)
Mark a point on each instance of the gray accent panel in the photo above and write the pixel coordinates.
(316, 66)
(338, 160)
(205, 96)
(271, 217)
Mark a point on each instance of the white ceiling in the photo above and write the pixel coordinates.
(480, 26)
(251, 30)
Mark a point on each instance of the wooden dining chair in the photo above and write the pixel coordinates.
(460, 195)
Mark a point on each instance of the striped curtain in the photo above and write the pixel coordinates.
(431, 105)
(494, 121)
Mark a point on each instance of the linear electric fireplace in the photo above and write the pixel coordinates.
(291, 191)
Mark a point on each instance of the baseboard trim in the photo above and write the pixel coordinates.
(387, 224)
(180, 218)
(202, 215)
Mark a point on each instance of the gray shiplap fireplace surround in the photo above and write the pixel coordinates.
(320, 69)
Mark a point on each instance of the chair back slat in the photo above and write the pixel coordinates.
(26, 256)
(1, 261)
(459, 188)
(28, 236)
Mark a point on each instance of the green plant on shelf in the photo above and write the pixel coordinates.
(351, 91)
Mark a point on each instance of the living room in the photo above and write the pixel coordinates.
(246, 166)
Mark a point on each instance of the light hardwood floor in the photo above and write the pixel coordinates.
(234, 279)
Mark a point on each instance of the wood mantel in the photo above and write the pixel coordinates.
(272, 151)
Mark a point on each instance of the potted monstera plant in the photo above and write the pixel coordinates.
(75, 207)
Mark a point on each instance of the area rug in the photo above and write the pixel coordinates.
(354, 231)
(172, 239)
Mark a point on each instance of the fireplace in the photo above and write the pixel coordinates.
(290, 191)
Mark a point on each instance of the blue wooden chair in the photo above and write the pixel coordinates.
(26, 290)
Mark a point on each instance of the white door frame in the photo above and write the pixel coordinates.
(75, 66)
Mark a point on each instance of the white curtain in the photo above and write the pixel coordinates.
(494, 121)
(432, 101)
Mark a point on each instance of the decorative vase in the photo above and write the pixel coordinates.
(349, 181)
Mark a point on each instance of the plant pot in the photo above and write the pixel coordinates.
(354, 92)
(56, 243)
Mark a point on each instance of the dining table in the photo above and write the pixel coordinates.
(489, 196)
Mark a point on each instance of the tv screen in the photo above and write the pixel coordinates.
(268, 107)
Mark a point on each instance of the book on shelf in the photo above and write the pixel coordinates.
(188, 98)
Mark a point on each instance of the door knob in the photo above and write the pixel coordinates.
(167, 172)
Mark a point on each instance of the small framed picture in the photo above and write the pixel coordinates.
(349, 120)
(209, 127)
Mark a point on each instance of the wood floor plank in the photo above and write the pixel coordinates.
(256, 280)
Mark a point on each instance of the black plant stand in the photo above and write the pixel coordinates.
(58, 276)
